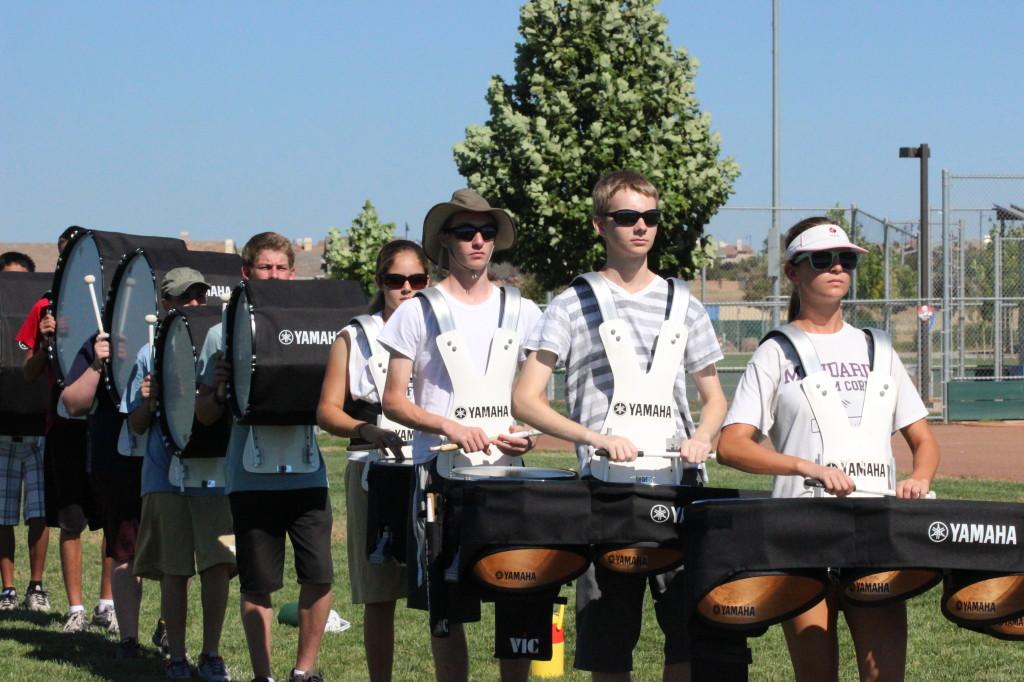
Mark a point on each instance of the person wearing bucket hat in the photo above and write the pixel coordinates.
(873, 398)
(468, 312)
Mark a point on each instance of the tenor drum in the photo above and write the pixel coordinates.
(178, 343)
(519, 533)
(984, 598)
(23, 405)
(135, 293)
(279, 334)
(96, 253)
(871, 587)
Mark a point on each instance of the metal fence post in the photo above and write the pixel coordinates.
(947, 318)
(886, 277)
(997, 310)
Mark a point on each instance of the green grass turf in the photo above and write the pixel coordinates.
(33, 648)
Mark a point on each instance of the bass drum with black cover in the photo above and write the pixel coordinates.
(22, 404)
(279, 334)
(96, 253)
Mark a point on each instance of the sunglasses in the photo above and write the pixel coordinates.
(628, 218)
(825, 260)
(395, 281)
(466, 233)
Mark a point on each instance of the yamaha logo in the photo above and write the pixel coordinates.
(460, 412)
(660, 513)
(306, 337)
(938, 531)
(620, 408)
(286, 337)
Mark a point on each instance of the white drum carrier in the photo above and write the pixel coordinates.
(378, 365)
(642, 406)
(864, 451)
(481, 401)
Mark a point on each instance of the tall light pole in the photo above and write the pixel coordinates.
(773, 233)
(924, 291)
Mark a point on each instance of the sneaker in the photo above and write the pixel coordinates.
(212, 669)
(129, 648)
(76, 622)
(159, 637)
(178, 669)
(308, 676)
(105, 618)
(8, 600)
(37, 600)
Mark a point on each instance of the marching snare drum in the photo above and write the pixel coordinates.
(279, 334)
(96, 253)
(23, 405)
(178, 342)
(135, 293)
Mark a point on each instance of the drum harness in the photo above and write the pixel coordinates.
(370, 326)
(642, 407)
(838, 437)
(481, 401)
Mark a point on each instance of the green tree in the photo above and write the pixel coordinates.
(598, 87)
(355, 257)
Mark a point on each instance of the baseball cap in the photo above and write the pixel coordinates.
(178, 280)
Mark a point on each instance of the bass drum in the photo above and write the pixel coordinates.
(178, 343)
(96, 253)
(23, 405)
(279, 334)
(135, 293)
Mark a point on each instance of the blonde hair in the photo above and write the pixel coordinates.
(610, 183)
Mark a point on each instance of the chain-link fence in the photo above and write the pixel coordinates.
(982, 280)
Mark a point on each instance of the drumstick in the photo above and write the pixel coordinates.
(601, 452)
(815, 483)
(89, 281)
(224, 298)
(450, 447)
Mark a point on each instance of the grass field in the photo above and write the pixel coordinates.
(33, 648)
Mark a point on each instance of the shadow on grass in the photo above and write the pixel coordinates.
(43, 620)
(91, 652)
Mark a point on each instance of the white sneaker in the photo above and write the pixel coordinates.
(76, 622)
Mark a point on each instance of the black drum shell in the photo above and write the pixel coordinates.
(221, 270)
(23, 405)
(204, 440)
(295, 323)
(806, 587)
(110, 247)
(982, 598)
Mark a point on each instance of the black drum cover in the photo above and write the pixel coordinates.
(23, 405)
(89, 252)
(179, 341)
(279, 335)
(135, 293)
(388, 499)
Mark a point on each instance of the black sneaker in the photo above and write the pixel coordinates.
(308, 676)
(159, 638)
(129, 648)
(8, 600)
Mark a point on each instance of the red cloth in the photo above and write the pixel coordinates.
(27, 336)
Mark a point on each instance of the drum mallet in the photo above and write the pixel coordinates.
(224, 299)
(90, 280)
(451, 447)
(151, 321)
(815, 483)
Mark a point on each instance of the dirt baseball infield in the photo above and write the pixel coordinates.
(974, 449)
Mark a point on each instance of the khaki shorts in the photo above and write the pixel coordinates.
(180, 535)
(370, 583)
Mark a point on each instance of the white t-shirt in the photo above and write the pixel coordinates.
(360, 382)
(770, 399)
(569, 329)
(412, 331)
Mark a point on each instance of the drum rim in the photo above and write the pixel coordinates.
(229, 335)
(975, 624)
(63, 258)
(488, 587)
(910, 594)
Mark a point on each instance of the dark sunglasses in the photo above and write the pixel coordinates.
(395, 281)
(824, 260)
(628, 218)
(466, 233)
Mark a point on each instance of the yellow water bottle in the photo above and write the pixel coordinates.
(555, 666)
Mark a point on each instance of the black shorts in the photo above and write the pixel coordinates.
(261, 520)
(609, 611)
(118, 493)
(67, 494)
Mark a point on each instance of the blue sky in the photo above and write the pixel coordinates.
(224, 119)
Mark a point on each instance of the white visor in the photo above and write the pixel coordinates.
(821, 238)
